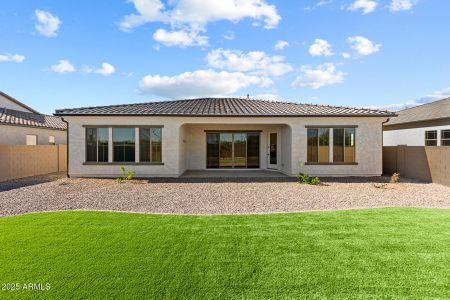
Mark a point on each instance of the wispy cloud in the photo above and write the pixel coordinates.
(437, 95)
(11, 58)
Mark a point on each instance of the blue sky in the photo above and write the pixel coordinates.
(371, 53)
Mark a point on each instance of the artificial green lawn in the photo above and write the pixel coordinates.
(378, 253)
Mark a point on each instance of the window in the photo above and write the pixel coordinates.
(318, 145)
(97, 144)
(445, 137)
(431, 138)
(51, 139)
(344, 145)
(31, 139)
(123, 144)
(150, 145)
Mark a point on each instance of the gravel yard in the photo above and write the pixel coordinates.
(218, 196)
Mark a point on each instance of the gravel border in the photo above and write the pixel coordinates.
(219, 195)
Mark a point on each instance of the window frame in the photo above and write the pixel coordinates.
(151, 161)
(319, 131)
(445, 139)
(111, 145)
(97, 148)
(428, 139)
(49, 140)
(331, 145)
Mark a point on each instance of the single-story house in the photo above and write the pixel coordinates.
(22, 125)
(169, 137)
(424, 125)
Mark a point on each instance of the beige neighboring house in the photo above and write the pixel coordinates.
(423, 125)
(22, 125)
(167, 138)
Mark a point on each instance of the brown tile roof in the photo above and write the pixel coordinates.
(431, 111)
(21, 118)
(223, 107)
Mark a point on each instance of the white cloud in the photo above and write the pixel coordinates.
(363, 46)
(366, 6)
(255, 62)
(200, 83)
(179, 38)
(194, 15)
(346, 55)
(437, 95)
(399, 5)
(63, 66)
(11, 57)
(106, 69)
(322, 75)
(229, 35)
(280, 45)
(47, 24)
(320, 48)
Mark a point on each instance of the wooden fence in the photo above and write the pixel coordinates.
(17, 161)
(430, 164)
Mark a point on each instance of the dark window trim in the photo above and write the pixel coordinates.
(85, 142)
(332, 163)
(123, 126)
(233, 131)
(139, 136)
(435, 140)
(123, 163)
(331, 126)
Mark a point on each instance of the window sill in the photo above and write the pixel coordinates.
(331, 163)
(123, 163)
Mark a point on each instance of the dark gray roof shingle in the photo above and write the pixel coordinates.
(431, 111)
(223, 107)
(21, 118)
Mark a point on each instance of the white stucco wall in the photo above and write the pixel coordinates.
(410, 137)
(184, 143)
(17, 135)
(5, 102)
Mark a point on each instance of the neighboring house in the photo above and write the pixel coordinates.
(167, 138)
(22, 125)
(424, 125)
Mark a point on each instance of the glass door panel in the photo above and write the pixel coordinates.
(252, 150)
(273, 149)
(240, 150)
(212, 150)
(226, 150)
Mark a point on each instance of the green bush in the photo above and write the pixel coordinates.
(315, 181)
(126, 175)
(305, 179)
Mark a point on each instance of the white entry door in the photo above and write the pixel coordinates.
(272, 151)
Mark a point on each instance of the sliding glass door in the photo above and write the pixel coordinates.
(232, 150)
(226, 150)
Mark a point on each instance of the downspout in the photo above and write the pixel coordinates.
(67, 138)
(382, 144)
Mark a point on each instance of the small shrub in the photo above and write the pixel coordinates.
(55, 177)
(305, 179)
(315, 181)
(395, 177)
(127, 175)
